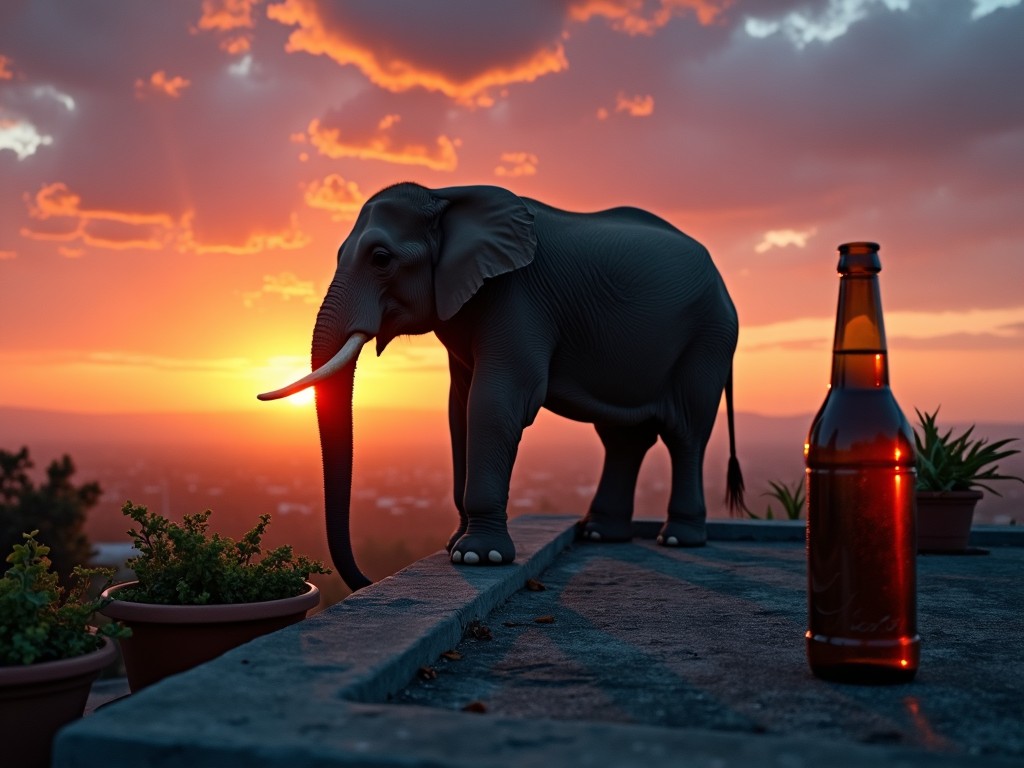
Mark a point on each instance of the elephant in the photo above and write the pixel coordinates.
(615, 318)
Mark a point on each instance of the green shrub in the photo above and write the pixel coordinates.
(55, 507)
(185, 565)
(39, 619)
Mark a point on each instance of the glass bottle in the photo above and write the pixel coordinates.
(861, 520)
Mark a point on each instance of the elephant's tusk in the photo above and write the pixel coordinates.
(348, 352)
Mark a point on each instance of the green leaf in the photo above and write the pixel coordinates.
(957, 463)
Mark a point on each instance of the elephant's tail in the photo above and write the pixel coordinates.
(734, 477)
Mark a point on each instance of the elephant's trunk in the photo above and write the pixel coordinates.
(334, 376)
(334, 417)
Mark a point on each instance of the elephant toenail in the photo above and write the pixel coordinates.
(456, 557)
(494, 556)
(471, 558)
(672, 541)
(661, 539)
(594, 536)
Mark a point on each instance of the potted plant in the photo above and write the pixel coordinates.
(49, 653)
(197, 595)
(950, 469)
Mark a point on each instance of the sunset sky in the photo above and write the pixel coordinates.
(176, 177)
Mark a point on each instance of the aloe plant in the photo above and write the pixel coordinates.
(791, 499)
(948, 462)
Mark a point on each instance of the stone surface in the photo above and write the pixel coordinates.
(645, 655)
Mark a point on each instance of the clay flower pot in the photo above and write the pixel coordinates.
(944, 520)
(167, 639)
(36, 700)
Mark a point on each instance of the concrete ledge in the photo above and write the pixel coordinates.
(316, 693)
(362, 649)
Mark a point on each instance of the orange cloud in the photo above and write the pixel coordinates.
(288, 239)
(285, 286)
(635, 106)
(63, 219)
(631, 16)
(517, 164)
(239, 44)
(228, 16)
(68, 221)
(225, 15)
(4, 255)
(160, 84)
(6, 73)
(383, 146)
(335, 194)
(386, 67)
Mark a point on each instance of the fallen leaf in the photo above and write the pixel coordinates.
(478, 631)
(534, 586)
(475, 706)
(427, 673)
(452, 655)
(544, 620)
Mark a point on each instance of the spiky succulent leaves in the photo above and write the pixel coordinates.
(791, 499)
(40, 620)
(186, 565)
(948, 462)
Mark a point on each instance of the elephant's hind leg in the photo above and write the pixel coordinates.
(703, 373)
(610, 517)
(686, 525)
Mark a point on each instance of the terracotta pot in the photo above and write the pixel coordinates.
(944, 520)
(167, 639)
(36, 700)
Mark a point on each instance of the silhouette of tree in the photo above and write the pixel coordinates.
(56, 508)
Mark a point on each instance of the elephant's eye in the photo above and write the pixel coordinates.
(381, 259)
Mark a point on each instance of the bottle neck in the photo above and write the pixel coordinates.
(859, 355)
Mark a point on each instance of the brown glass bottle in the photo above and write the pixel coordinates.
(861, 521)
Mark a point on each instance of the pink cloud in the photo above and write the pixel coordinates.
(517, 164)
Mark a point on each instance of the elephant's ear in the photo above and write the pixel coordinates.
(485, 232)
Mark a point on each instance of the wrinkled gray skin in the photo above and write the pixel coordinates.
(614, 318)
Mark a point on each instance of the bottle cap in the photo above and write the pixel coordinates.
(859, 257)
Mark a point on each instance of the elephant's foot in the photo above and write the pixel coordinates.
(676, 533)
(592, 528)
(483, 549)
(456, 535)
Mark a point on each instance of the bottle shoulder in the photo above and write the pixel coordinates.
(860, 426)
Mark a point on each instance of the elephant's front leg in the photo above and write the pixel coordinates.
(458, 397)
(501, 405)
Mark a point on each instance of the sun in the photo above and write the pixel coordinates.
(303, 398)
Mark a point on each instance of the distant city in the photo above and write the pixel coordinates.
(402, 508)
